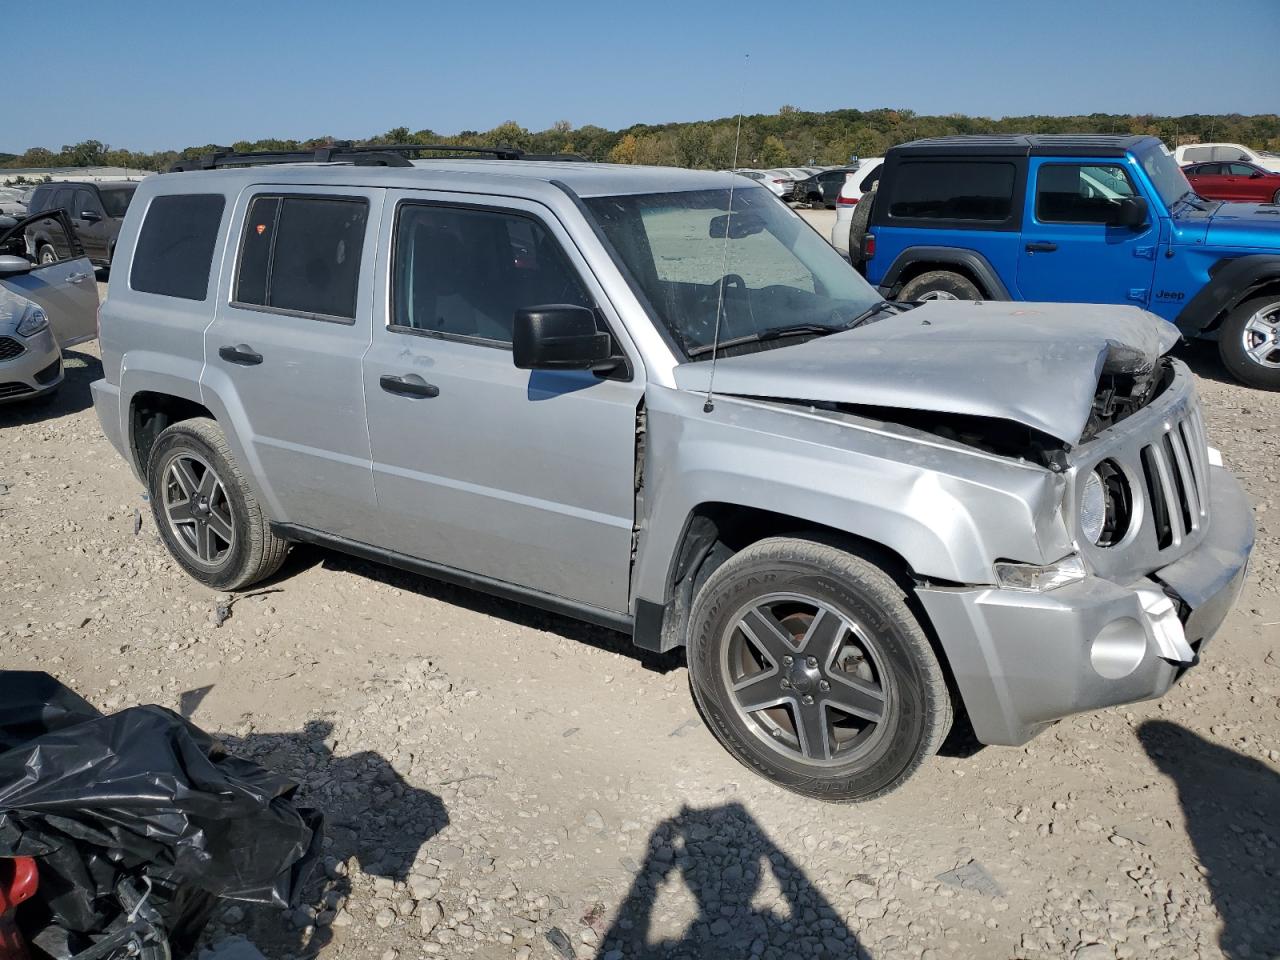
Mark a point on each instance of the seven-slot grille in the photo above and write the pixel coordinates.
(10, 348)
(1176, 469)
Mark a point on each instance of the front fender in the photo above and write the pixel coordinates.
(947, 510)
(1229, 285)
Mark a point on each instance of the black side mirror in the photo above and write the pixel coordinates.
(1131, 213)
(1256, 175)
(737, 226)
(90, 216)
(559, 336)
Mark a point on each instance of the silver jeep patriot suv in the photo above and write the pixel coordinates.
(656, 400)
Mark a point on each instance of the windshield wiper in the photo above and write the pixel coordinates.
(866, 316)
(773, 333)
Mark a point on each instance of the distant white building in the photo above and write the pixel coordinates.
(72, 173)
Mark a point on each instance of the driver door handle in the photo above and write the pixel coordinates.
(1041, 246)
(410, 385)
(242, 354)
(78, 277)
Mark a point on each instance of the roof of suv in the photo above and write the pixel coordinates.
(583, 179)
(1022, 145)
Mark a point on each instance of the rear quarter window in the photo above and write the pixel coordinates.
(974, 190)
(174, 252)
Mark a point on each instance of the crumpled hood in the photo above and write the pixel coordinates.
(1034, 363)
(12, 308)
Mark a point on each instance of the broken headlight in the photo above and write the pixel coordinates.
(1037, 578)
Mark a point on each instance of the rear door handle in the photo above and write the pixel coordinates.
(1041, 246)
(410, 385)
(78, 277)
(241, 354)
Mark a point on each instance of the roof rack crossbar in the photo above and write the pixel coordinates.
(371, 154)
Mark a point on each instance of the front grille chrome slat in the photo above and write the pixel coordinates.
(1189, 495)
(1167, 491)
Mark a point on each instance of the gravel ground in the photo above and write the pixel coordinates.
(499, 782)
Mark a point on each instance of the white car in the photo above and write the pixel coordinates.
(1203, 152)
(773, 180)
(850, 194)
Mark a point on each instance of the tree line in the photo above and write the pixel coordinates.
(790, 137)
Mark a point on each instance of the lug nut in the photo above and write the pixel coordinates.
(785, 683)
(786, 661)
(824, 685)
(808, 700)
(777, 733)
(811, 661)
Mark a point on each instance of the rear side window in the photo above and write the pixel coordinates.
(174, 252)
(302, 255)
(979, 190)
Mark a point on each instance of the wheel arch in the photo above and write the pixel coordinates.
(913, 261)
(713, 532)
(1231, 281)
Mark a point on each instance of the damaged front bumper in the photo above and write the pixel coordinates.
(1022, 660)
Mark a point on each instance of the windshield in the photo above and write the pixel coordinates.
(1165, 174)
(681, 249)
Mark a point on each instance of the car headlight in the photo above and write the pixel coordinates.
(1037, 578)
(1106, 505)
(35, 321)
(1093, 507)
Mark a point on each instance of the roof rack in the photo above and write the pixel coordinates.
(373, 154)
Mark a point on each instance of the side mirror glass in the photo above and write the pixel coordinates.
(12, 266)
(560, 336)
(736, 226)
(1131, 213)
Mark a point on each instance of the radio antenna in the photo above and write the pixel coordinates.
(709, 405)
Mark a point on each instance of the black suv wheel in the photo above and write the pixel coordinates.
(1249, 342)
(811, 670)
(206, 513)
(939, 285)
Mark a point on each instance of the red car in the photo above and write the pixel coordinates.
(1234, 180)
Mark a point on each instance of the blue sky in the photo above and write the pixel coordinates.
(148, 75)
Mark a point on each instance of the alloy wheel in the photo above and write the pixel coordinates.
(1261, 336)
(197, 509)
(807, 680)
(937, 295)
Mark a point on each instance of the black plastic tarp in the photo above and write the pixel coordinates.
(142, 794)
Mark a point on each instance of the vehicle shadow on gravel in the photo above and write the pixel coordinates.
(371, 817)
(1202, 357)
(517, 613)
(72, 397)
(725, 861)
(1230, 803)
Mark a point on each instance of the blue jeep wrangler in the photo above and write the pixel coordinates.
(1084, 219)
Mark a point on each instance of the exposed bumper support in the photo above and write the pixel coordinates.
(1023, 660)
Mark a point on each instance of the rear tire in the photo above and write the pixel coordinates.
(939, 285)
(788, 632)
(1275, 198)
(191, 474)
(858, 226)
(1249, 342)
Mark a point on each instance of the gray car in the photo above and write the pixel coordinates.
(657, 400)
(44, 308)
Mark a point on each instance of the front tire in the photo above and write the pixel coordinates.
(46, 254)
(1249, 342)
(810, 668)
(207, 516)
(939, 285)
